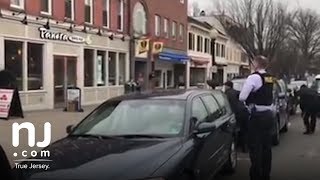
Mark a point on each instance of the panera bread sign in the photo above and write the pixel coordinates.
(58, 36)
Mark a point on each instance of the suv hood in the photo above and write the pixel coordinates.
(79, 158)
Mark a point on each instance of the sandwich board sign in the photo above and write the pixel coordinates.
(6, 96)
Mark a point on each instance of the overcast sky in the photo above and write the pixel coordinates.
(312, 4)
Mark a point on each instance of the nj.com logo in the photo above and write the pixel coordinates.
(16, 127)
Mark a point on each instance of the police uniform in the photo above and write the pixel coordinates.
(257, 93)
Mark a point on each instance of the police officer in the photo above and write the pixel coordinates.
(257, 93)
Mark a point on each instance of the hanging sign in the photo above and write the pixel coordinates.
(58, 36)
(142, 48)
(157, 47)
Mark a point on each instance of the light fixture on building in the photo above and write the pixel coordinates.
(123, 38)
(111, 37)
(47, 25)
(70, 28)
(99, 33)
(19, 52)
(25, 20)
(84, 29)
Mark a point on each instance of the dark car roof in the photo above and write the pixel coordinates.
(177, 94)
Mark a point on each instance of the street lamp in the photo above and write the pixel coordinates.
(213, 35)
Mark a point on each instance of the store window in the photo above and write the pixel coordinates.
(88, 13)
(88, 67)
(69, 9)
(13, 60)
(112, 68)
(101, 68)
(120, 15)
(169, 78)
(106, 13)
(17, 4)
(35, 66)
(46, 7)
(122, 68)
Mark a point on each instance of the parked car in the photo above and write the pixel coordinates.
(163, 135)
(281, 102)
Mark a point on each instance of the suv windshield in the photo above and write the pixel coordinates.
(135, 117)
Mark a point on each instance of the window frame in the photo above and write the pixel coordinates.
(107, 8)
(181, 31)
(157, 25)
(91, 11)
(166, 27)
(49, 9)
(72, 10)
(174, 30)
(192, 48)
(212, 115)
(21, 6)
(121, 14)
(205, 108)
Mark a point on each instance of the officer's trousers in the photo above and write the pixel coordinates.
(260, 128)
(310, 124)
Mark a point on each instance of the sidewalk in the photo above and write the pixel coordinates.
(59, 121)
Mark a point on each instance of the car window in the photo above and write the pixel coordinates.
(212, 106)
(199, 111)
(223, 102)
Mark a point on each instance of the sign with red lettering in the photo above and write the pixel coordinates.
(5, 102)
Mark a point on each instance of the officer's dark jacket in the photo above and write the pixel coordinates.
(237, 106)
(5, 168)
(264, 95)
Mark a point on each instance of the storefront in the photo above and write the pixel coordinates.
(199, 71)
(233, 70)
(170, 68)
(46, 61)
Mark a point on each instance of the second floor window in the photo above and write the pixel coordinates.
(191, 41)
(106, 15)
(199, 43)
(218, 54)
(120, 15)
(17, 4)
(174, 30)
(181, 31)
(223, 51)
(157, 25)
(88, 11)
(46, 6)
(69, 9)
(207, 45)
(166, 27)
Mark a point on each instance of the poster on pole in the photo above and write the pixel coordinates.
(6, 96)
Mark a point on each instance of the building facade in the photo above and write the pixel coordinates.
(53, 45)
(199, 51)
(159, 29)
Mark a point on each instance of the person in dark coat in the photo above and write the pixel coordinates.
(240, 111)
(5, 167)
(308, 105)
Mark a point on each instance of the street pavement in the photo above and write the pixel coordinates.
(296, 158)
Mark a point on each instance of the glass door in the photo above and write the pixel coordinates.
(65, 75)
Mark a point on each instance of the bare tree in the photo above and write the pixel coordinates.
(305, 33)
(195, 8)
(260, 26)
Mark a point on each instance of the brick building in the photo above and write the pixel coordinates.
(54, 44)
(155, 21)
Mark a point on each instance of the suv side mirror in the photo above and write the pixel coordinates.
(69, 129)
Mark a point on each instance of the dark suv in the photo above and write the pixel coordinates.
(281, 102)
(164, 135)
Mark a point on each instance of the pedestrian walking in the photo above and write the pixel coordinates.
(241, 113)
(257, 93)
(308, 105)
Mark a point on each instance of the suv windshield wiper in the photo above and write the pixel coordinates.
(93, 136)
(141, 136)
